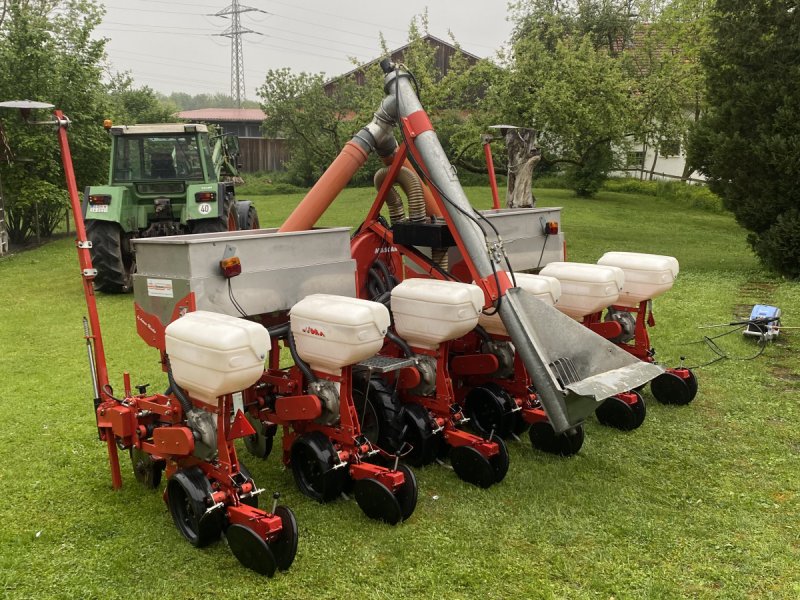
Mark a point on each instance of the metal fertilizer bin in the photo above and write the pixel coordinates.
(278, 270)
(522, 229)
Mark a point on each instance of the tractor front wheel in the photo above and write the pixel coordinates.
(111, 256)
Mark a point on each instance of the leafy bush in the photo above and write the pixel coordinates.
(588, 177)
(37, 206)
(267, 184)
(779, 246)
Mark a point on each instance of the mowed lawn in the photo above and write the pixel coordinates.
(702, 501)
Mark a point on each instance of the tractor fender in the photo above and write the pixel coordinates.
(116, 209)
(203, 210)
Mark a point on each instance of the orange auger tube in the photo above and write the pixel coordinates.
(333, 180)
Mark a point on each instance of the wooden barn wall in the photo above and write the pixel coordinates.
(258, 154)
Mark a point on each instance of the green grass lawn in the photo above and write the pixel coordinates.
(701, 501)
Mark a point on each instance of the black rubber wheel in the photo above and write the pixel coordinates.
(228, 220)
(490, 408)
(260, 443)
(669, 388)
(543, 437)
(250, 500)
(312, 459)
(639, 409)
(146, 470)
(615, 412)
(247, 215)
(285, 547)
(409, 492)
(472, 466)
(692, 383)
(380, 414)
(377, 501)
(187, 494)
(251, 550)
(500, 461)
(425, 445)
(111, 256)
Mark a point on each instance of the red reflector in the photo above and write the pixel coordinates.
(99, 199)
(551, 227)
(231, 267)
(205, 196)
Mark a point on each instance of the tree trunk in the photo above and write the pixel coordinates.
(523, 156)
(653, 165)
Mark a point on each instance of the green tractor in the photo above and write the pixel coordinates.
(164, 179)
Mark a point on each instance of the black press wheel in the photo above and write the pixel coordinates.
(377, 501)
(639, 409)
(472, 466)
(691, 381)
(188, 497)
(380, 413)
(669, 388)
(425, 445)
(251, 550)
(499, 461)
(615, 412)
(543, 437)
(408, 493)
(146, 470)
(312, 459)
(490, 408)
(285, 547)
(111, 256)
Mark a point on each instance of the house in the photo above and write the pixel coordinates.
(642, 162)
(444, 52)
(257, 153)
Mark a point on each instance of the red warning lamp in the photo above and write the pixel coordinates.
(231, 267)
(551, 227)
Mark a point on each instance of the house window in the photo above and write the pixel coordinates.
(635, 159)
(671, 148)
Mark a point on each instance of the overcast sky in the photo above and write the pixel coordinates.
(175, 46)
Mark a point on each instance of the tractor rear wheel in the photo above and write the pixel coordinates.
(227, 220)
(380, 414)
(111, 256)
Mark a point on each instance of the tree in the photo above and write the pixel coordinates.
(748, 143)
(563, 78)
(318, 122)
(315, 124)
(131, 105)
(48, 54)
(664, 59)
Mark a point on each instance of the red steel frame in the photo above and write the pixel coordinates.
(129, 422)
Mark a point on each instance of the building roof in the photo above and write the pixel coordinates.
(431, 39)
(253, 115)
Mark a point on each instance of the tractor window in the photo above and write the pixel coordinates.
(155, 158)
